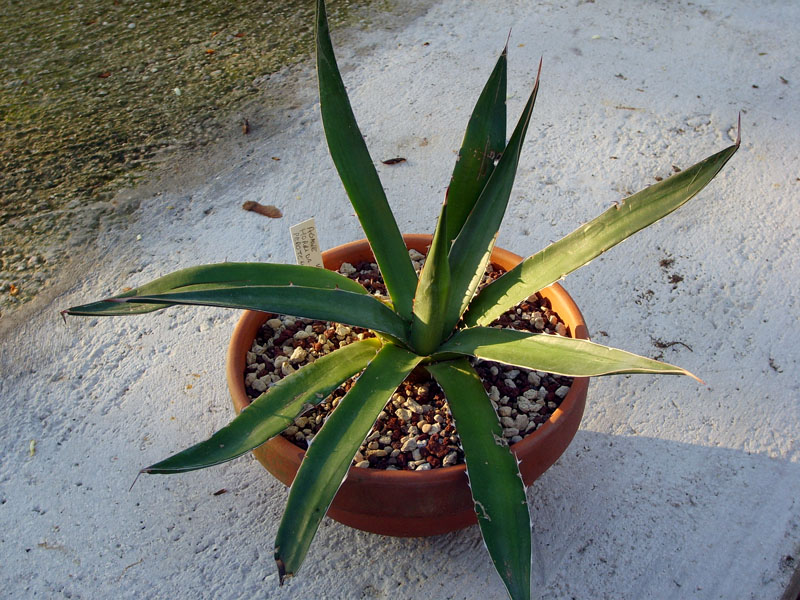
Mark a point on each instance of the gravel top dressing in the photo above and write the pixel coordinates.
(415, 431)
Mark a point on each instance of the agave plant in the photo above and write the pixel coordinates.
(437, 319)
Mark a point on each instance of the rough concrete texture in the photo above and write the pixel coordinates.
(669, 490)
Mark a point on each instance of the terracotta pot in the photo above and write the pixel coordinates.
(411, 503)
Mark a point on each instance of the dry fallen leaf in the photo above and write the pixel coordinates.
(393, 161)
(273, 212)
(13, 290)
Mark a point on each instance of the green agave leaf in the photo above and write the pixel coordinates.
(325, 466)
(219, 276)
(551, 353)
(592, 239)
(274, 410)
(432, 292)
(494, 478)
(361, 310)
(483, 143)
(358, 174)
(472, 247)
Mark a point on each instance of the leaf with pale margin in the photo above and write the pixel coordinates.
(358, 174)
(471, 249)
(274, 410)
(551, 353)
(360, 310)
(326, 462)
(432, 292)
(216, 276)
(483, 143)
(497, 489)
(592, 239)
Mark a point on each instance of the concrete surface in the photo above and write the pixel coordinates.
(669, 490)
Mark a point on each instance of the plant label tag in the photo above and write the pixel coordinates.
(306, 244)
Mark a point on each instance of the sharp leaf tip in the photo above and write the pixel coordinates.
(282, 574)
(739, 131)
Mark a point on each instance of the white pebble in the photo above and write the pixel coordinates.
(507, 421)
(423, 467)
(560, 329)
(259, 385)
(298, 355)
(516, 439)
(504, 411)
(403, 414)
(347, 269)
(534, 379)
(524, 405)
(450, 459)
(512, 374)
(494, 393)
(521, 422)
(301, 335)
(510, 383)
(287, 369)
(416, 455)
(274, 323)
(562, 391)
(251, 358)
(425, 427)
(413, 406)
(409, 445)
(363, 464)
(510, 432)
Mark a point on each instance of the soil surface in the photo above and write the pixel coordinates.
(416, 430)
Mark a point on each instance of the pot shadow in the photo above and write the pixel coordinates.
(619, 517)
(639, 517)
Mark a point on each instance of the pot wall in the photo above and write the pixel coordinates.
(411, 503)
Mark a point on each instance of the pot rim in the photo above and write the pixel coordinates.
(250, 321)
